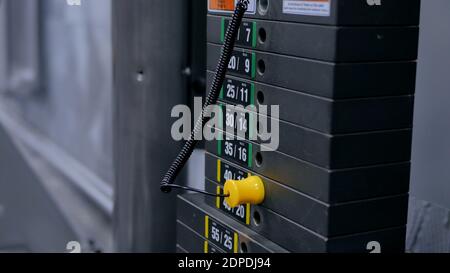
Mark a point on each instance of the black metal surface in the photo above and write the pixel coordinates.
(329, 221)
(192, 211)
(330, 186)
(331, 116)
(297, 238)
(328, 43)
(194, 242)
(339, 151)
(181, 249)
(344, 12)
(327, 79)
(342, 142)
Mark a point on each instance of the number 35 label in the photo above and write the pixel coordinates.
(236, 151)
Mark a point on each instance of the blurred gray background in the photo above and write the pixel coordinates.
(56, 104)
(429, 221)
(56, 113)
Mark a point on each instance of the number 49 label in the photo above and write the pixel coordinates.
(221, 236)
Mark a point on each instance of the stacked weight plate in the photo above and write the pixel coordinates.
(343, 74)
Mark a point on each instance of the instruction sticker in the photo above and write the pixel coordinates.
(228, 6)
(307, 7)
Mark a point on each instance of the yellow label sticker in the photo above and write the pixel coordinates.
(219, 163)
(236, 243)
(206, 226)
(218, 198)
(247, 215)
(205, 247)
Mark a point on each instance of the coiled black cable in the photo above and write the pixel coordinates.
(219, 77)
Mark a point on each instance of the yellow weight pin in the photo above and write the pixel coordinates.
(246, 191)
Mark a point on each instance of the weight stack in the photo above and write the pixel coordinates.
(343, 75)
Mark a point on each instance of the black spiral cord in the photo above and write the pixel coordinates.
(219, 77)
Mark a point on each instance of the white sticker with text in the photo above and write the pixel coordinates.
(307, 7)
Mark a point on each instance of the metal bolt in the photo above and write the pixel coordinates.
(186, 72)
(447, 220)
(140, 76)
(2, 210)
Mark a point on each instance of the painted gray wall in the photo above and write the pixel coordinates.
(431, 139)
(73, 107)
(29, 219)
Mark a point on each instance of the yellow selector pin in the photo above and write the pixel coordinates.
(246, 191)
